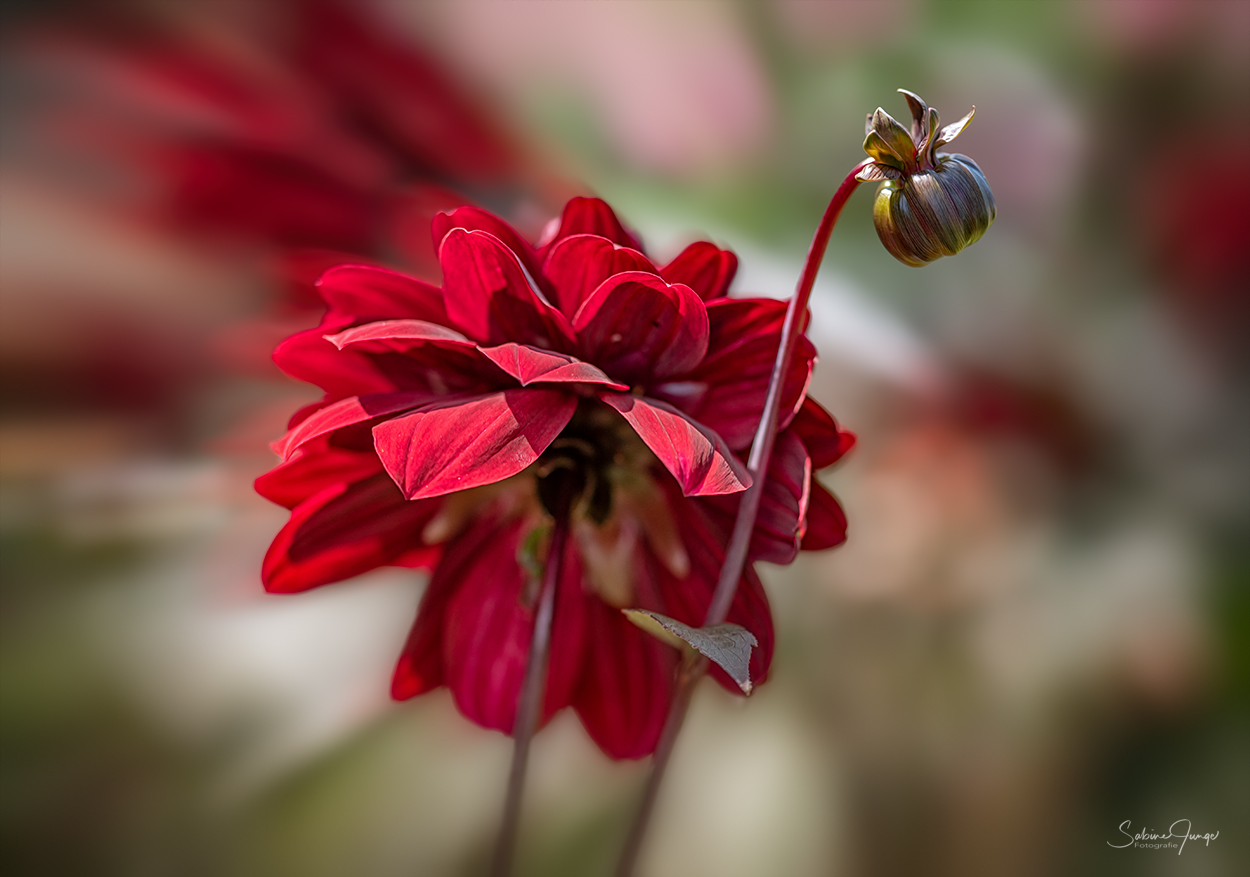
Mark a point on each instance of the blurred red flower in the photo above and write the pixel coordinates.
(445, 408)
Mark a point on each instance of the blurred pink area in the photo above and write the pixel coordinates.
(680, 88)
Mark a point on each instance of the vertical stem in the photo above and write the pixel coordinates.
(529, 703)
(691, 669)
(744, 523)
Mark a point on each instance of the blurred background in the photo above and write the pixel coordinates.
(1040, 625)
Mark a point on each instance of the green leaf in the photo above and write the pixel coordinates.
(728, 645)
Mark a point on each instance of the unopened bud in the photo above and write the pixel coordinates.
(929, 204)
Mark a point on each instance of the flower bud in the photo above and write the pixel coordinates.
(929, 204)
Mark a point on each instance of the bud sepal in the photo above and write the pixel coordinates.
(929, 204)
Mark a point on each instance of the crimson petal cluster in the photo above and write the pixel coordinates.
(444, 407)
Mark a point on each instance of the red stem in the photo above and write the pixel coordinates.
(744, 523)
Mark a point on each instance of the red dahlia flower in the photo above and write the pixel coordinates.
(447, 409)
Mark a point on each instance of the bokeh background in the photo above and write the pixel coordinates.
(1039, 628)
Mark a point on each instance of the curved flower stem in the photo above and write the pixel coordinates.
(529, 704)
(744, 523)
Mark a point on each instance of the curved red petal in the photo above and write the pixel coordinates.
(420, 665)
(464, 442)
(575, 266)
(637, 327)
(308, 356)
(313, 468)
(626, 685)
(825, 440)
(345, 530)
(488, 626)
(780, 522)
(364, 367)
(344, 413)
(403, 330)
(705, 268)
(737, 370)
(695, 455)
(530, 365)
(476, 219)
(593, 216)
(488, 296)
(363, 293)
(826, 522)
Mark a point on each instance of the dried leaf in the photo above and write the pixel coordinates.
(728, 645)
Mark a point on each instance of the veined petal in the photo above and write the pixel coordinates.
(576, 265)
(489, 297)
(530, 365)
(626, 686)
(826, 522)
(360, 293)
(696, 456)
(487, 626)
(593, 216)
(878, 173)
(455, 444)
(345, 530)
(638, 327)
(704, 267)
(407, 330)
(343, 413)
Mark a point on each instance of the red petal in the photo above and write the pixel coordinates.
(826, 522)
(738, 367)
(308, 356)
(530, 365)
(593, 216)
(343, 531)
(780, 523)
(695, 455)
(455, 444)
(576, 265)
(487, 627)
(637, 327)
(824, 439)
(488, 296)
(627, 683)
(477, 219)
(343, 413)
(313, 468)
(704, 267)
(407, 330)
(434, 366)
(420, 666)
(358, 293)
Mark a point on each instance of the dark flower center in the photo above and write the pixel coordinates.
(575, 469)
